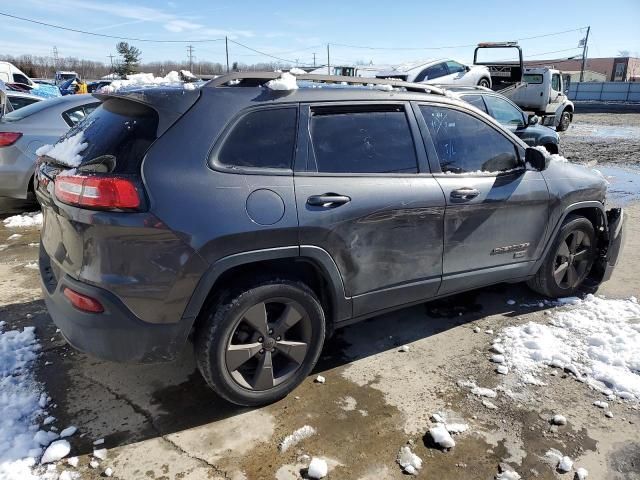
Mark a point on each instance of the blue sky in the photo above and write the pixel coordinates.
(294, 30)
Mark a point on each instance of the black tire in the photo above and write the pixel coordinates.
(552, 280)
(229, 334)
(565, 121)
(484, 82)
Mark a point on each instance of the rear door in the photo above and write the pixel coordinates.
(497, 210)
(365, 195)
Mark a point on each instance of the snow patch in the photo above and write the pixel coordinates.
(409, 461)
(296, 437)
(441, 436)
(56, 451)
(32, 219)
(297, 71)
(582, 473)
(21, 403)
(184, 79)
(285, 82)
(318, 468)
(65, 151)
(595, 339)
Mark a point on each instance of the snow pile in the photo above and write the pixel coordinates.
(21, 402)
(508, 475)
(56, 451)
(297, 71)
(66, 151)
(409, 461)
(318, 468)
(296, 437)
(441, 436)
(476, 390)
(32, 219)
(582, 473)
(596, 339)
(183, 78)
(285, 82)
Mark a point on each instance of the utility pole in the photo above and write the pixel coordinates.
(226, 47)
(328, 61)
(111, 58)
(584, 54)
(314, 59)
(190, 50)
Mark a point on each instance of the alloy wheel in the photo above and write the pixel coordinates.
(268, 344)
(573, 259)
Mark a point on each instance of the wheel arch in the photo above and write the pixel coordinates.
(592, 210)
(312, 265)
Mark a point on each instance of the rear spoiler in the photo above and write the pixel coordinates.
(5, 104)
(169, 102)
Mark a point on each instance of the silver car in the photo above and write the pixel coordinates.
(25, 130)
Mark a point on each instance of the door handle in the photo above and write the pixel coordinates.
(328, 200)
(465, 193)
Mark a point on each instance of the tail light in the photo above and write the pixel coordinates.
(97, 191)
(9, 138)
(83, 302)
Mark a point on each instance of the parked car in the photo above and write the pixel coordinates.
(68, 87)
(509, 114)
(183, 219)
(95, 86)
(23, 131)
(62, 76)
(19, 99)
(10, 74)
(443, 71)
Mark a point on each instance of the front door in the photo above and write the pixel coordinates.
(497, 210)
(365, 195)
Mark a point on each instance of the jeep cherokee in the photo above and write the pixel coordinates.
(254, 221)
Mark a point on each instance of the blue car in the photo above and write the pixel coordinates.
(68, 87)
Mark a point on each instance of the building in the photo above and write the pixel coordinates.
(614, 69)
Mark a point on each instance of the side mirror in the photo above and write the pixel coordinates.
(537, 159)
(533, 119)
(467, 68)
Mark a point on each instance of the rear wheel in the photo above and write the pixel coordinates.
(569, 261)
(565, 121)
(260, 342)
(484, 82)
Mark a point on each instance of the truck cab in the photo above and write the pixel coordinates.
(543, 92)
(62, 76)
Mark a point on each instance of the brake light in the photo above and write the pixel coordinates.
(97, 192)
(9, 138)
(83, 302)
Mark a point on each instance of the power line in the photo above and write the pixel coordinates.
(108, 36)
(364, 47)
(262, 53)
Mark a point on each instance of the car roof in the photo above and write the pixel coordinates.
(13, 93)
(409, 66)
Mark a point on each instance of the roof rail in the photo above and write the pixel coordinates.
(254, 78)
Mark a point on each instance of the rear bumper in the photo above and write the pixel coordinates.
(616, 233)
(115, 334)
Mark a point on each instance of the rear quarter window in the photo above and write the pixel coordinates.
(118, 134)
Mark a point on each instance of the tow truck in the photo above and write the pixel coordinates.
(539, 90)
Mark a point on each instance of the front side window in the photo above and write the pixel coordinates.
(261, 139)
(19, 78)
(476, 101)
(555, 82)
(466, 144)
(435, 71)
(455, 67)
(362, 140)
(504, 112)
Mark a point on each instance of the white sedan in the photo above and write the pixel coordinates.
(442, 71)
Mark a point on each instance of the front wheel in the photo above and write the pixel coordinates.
(261, 342)
(565, 121)
(484, 82)
(569, 261)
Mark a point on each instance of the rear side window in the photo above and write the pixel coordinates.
(532, 78)
(355, 140)
(466, 144)
(117, 134)
(20, 102)
(436, 71)
(261, 139)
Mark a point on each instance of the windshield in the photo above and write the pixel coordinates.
(66, 76)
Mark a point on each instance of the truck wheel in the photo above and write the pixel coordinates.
(484, 82)
(565, 121)
(569, 261)
(260, 342)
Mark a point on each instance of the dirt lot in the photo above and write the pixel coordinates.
(162, 422)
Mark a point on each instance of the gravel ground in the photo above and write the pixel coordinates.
(597, 138)
(162, 422)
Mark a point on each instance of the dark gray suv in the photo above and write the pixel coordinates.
(254, 222)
